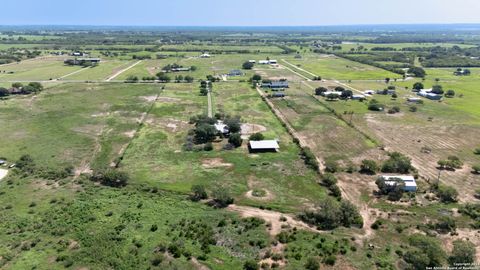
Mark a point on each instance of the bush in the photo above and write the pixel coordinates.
(446, 194)
(198, 193)
(111, 177)
(235, 139)
(309, 158)
(221, 198)
(256, 137)
(368, 167)
(247, 65)
(374, 105)
(312, 264)
(397, 163)
(331, 166)
(476, 169)
(463, 253)
(445, 225)
(208, 146)
(250, 265)
(329, 179)
(477, 151)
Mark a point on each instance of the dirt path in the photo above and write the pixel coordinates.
(299, 68)
(296, 73)
(271, 217)
(210, 105)
(73, 73)
(122, 71)
(198, 265)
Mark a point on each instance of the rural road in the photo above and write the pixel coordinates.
(122, 71)
(75, 72)
(210, 105)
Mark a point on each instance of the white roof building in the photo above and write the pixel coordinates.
(263, 62)
(408, 180)
(264, 145)
(221, 127)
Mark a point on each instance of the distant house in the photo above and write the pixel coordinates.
(264, 62)
(275, 84)
(221, 127)
(252, 61)
(278, 94)
(358, 97)
(408, 180)
(414, 99)
(78, 54)
(369, 92)
(327, 93)
(205, 55)
(263, 146)
(180, 69)
(235, 72)
(429, 95)
(82, 61)
(272, 62)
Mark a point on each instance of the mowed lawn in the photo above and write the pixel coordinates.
(332, 67)
(157, 157)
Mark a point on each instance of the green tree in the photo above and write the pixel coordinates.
(204, 133)
(163, 77)
(312, 264)
(320, 90)
(417, 72)
(247, 65)
(418, 86)
(250, 265)
(256, 137)
(235, 139)
(368, 166)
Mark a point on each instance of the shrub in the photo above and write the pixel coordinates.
(368, 166)
(208, 146)
(235, 139)
(476, 169)
(477, 151)
(309, 158)
(331, 166)
(329, 179)
(256, 137)
(221, 197)
(312, 264)
(111, 177)
(198, 193)
(463, 253)
(397, 163)
(445, 225)
(250, 265)
(446, 194)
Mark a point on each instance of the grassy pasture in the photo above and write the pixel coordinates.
(331, 67)
(36, 70)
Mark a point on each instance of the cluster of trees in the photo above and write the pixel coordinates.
(330, 181)
(394, 192)
(344, 93)
(451, 163)
(220, 196)
(205, 86)
(417, 72)
(205, 132)
(331, 214)
(375, 105)
(20, 89)
(445, 194)
(111, 177)
(397, 163)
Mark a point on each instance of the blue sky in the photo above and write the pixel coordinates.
(238, 12)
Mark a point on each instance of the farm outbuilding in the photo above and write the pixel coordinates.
(263, 146)
(408, 180)
(263, 62)
(235, 72)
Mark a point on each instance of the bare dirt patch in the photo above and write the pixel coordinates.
(272, 218)
(198, 265)
(168, 99)
(130, 134)
(248, 129)
(149, 98)
(3, 173)
(211, 163)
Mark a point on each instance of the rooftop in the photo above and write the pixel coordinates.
(265, 144)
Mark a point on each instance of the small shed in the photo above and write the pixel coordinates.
(263, 146)
(272, 62)
(263, 62)
(358, 97)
